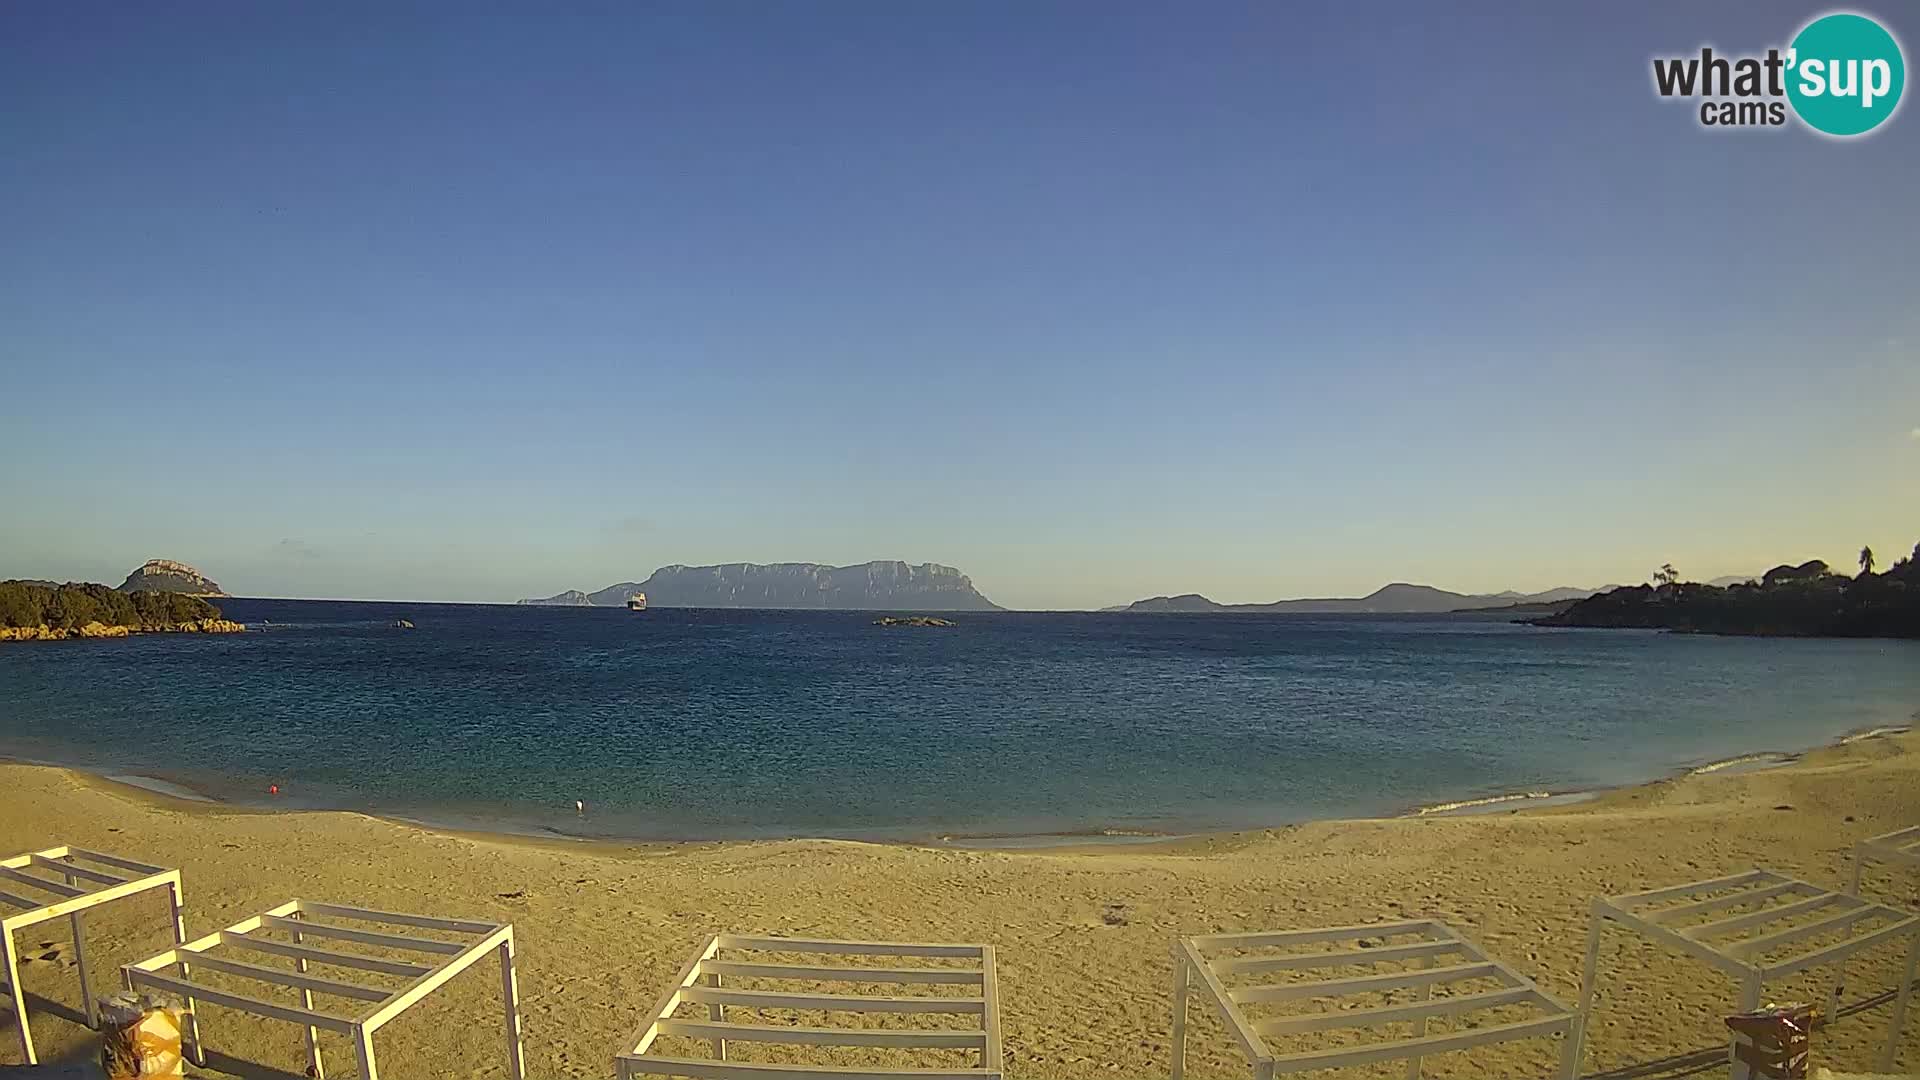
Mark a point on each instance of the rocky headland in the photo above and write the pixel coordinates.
(1804, 600)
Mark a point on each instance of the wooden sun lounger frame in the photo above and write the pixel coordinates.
(1899, 846)
(1450, 958)
(89, 879)
(1723, 944)
(299, 918)
(699, 981)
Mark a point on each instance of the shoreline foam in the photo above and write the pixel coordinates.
(158, 786)
(1763, 759)
(1874, 733)
(1485, 803)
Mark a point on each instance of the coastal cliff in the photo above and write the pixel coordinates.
(873, 586)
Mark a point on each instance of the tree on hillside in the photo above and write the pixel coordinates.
(1866, 561)
(1666, 575)
(1903, 567)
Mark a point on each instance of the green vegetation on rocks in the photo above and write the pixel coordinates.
(64, 610)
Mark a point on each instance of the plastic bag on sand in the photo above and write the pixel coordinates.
(142, 1037)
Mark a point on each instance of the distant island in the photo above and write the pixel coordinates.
(165, 575)
(576, 598)
(1398, 598)
(873, 586)
(1532, 607)
(1804, 600)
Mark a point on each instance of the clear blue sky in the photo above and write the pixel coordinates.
(1094, 301)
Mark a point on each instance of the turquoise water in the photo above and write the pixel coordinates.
(681, 723)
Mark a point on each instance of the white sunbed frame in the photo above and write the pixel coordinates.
(1721, 942)
(707, 968)
(299, 918)
(1196, 957)
(1899, 846)
(88, 879)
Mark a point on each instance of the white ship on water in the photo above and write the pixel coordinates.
(637, 602)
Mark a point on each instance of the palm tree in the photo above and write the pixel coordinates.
(1866, 561)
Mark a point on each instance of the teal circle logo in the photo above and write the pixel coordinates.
(1845, 74)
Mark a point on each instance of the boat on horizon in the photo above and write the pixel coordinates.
(637, 602)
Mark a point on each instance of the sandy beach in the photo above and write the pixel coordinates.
(1083, 933)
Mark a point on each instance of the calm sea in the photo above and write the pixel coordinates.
(686, 724)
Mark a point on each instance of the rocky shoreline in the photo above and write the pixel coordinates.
(102, 630)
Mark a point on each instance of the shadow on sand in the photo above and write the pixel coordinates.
(1713, 1059)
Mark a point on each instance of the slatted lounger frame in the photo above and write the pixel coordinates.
(1723, 942)
(1450, 957)
(89, 879)
(1899, 846)
(699, 981)
(300, 919)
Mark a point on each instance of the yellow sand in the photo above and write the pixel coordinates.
(1083, 935)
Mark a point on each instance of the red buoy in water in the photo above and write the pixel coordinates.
(273, 789)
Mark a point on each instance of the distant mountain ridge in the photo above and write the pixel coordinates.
(874, 586)
(1397, 598)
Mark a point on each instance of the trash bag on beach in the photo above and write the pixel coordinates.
(141, 1036)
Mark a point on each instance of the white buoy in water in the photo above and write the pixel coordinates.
(580, 807)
